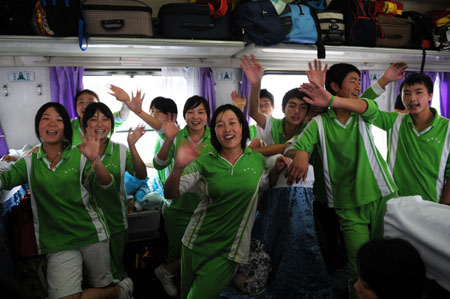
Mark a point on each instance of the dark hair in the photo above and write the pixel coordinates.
(337, 73)
(66, 120)
(293, 93)
(79, 93)
(392, 268)
(194, 102)
(165, 105)
(399, 104)
(241, 118)
(90, 111)
(418, 79)
(264, 93)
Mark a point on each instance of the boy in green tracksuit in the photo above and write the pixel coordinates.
(358, 181)
(418, 142)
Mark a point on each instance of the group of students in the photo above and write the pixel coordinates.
(213, 177)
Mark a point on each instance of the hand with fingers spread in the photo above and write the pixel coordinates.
(298, 170)
(318, 95)
(90, 147)
(252, 69)
(316, 74)
(171, 128)
(134, 136)
(119, 94)
(394, 72)
(135, 104)
(187, 153)
(238, 100)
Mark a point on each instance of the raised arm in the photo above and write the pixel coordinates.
(123, 97)
(171, 131)
(254, 72)
(185, 155)
(394, 72)
(90, 148)
(238, 100)
(140, 170)
(316, 74)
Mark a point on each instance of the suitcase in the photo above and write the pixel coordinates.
(396, 32)
(192, 21)
(119, 18)
(332, 26)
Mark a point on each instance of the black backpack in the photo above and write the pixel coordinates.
(361, 27)
(422, 30)
(15, 16)
(259, 23)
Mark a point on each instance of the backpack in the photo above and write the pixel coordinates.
(422, 30)
(252, 278)
(301, 26)
(259, 23)
(315, 4)
(15, 17)
(361, 26)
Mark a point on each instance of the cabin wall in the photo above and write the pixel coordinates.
(19, 107)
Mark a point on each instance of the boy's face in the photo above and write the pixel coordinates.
(350, 88)
(416, 98)
(295, 111)
(265, 106)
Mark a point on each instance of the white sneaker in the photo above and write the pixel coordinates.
(166, 280)
(126, 288)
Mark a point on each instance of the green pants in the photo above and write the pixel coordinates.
(117, 244)
(204, 276)
(175, 224)
(360, 225)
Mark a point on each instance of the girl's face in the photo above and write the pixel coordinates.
(98, 126)
(83, 101)
(228, 130)
(51, 127)
(196, 118)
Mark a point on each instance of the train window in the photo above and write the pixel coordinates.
(152, 83)
(278, 84)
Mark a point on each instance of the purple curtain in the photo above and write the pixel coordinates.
(365, 80)
(245, 92)
(207, 88)
(64, 84)
(3, 146)
(444, 84)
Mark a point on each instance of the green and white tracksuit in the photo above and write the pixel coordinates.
(221, 225)
(419, 161)
(65, 216)
(113, 201)
(177, 212)
(77, 132)
(358, 181)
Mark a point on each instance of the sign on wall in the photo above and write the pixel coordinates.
(24, 76)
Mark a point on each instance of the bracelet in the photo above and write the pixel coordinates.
(330, 102)
(240, 103)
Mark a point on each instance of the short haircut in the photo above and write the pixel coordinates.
(418, 79)
(194, 102)
(264, 93)
(242, 120)
(293, 93)
(165, 105)
(79, 93)
(392, 268)
(337, 73)
(66, 121)
(90, 111)
(399, 104)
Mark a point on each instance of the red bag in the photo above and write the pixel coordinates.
(218, 8)
(387, 8)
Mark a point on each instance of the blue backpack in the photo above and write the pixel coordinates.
(301, 26)
(315, 4)
(259, 23)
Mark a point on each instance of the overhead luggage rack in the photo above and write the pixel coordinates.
(105, 52)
